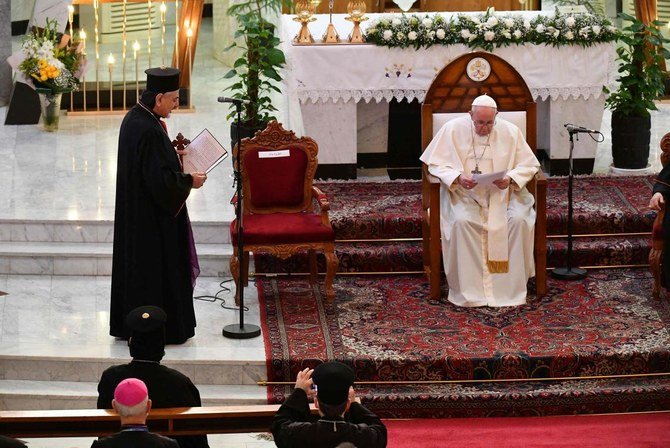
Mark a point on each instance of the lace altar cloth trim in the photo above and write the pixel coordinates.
(335, 96)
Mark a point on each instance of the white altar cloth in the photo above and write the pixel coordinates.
(569, 79)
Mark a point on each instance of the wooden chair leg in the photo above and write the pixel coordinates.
(331, 269)
(540, 276)
(434, 275)
(655, 267)
(235, 272)
(313, 271)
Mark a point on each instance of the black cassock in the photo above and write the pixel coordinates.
(663, 186)
(167, 387)
(294, 427)
(128, 439)
(154, 259)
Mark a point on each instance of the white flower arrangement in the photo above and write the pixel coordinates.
(491, 30)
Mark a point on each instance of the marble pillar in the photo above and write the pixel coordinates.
(5, 50)
(224, 27)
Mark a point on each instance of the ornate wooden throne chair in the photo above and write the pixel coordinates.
(277, 211)
(450, 96)
(657, 235)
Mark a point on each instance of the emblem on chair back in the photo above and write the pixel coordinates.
(278, 171)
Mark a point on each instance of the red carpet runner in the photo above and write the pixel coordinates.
(592, 431)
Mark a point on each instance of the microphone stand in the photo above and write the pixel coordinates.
(569, 272)
(241, 330)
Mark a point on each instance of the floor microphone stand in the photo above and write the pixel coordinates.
(241, 330)
(569, 272)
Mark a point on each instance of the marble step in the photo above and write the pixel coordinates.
(215, 232)
(41, 395)
(209, 366)
(90, 258)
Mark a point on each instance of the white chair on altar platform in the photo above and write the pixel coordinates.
(450, 96)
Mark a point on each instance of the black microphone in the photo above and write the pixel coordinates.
(573, 129)
(225, 99)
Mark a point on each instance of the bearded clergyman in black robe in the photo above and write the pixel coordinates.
(154, 260)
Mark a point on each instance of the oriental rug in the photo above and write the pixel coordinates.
(377, 213)
(388, 329)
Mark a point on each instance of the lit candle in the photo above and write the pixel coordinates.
(176, 33)
(149, 32)
(163, 9)
(189, 34)
(82, 37)
(97, 55)
(110, 63)
(70, 18)
(136, 49)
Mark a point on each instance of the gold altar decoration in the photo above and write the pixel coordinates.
(304, 11)
(331, 36)
(356, 10)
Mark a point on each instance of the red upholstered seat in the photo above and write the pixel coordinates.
(277, 228)
(278, 203)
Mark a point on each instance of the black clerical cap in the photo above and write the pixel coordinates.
(162, 79)
(147, 325)
(333, 380)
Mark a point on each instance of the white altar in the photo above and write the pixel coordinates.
(331, 88)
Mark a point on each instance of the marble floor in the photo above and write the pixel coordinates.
(70, 175)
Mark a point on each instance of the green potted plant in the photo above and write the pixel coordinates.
(641, 82)
(257, 69)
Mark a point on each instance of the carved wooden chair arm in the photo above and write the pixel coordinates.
(322, 199)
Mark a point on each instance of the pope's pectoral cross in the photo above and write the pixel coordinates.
(181, 142)
(476, 170)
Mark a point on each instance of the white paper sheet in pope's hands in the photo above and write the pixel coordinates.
(204, 153)
(488, 179)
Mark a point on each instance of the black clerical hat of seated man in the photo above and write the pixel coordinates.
(333, 380)
(162, 79)
(147, 339)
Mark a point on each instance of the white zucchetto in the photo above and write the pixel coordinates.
(485, 101)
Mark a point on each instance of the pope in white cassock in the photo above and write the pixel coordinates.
(487, 230)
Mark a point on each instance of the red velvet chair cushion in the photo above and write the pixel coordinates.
(286, 228)
(276, 181)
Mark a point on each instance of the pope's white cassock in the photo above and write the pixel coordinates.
(487, 233)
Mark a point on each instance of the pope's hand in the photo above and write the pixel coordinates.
(502, 183)
(466, 182)
(657, 201)
(198, 179)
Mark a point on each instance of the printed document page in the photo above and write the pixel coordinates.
(488, 179)
(204, 153)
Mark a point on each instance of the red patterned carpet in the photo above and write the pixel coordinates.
(387, 329)
(392, 210)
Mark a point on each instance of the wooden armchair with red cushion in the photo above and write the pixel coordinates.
(278, 217)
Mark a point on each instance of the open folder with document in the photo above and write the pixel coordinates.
(204, 153)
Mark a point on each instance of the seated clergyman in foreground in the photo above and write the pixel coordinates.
(487, 229)
(658, 200)
(342, 416)
(131, 401)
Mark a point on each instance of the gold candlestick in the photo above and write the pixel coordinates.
(356, 10)
(136, 49)
(110, 63)
(123, 53)
(163, 9)
(304, 12)
(331, 35)
(70, 18)
(149, 33)
(82, 37)
(97, 54)
(189, 34)
(176, 33)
